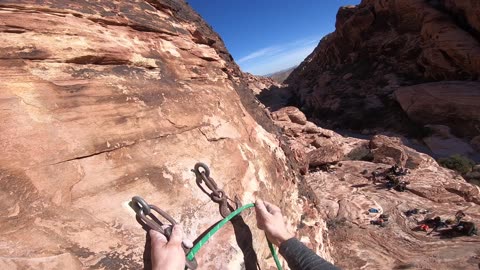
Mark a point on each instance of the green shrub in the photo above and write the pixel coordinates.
(457, 163)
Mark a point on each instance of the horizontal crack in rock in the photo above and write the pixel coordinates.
(125, 145)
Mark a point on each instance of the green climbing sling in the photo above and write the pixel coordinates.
(209, 234)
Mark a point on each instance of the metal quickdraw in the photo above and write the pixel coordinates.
(145, 213)
(217, 195)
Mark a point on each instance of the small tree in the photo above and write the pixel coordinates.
(457, 163)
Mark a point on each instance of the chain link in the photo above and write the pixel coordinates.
(216, 194)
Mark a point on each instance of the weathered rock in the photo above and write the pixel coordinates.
(300, 155)
(380, 45)
(291, 113)
(258, 83)
(328, 153)
(444, 144)
(314, 129)
(345, 195)
(291, 129)
(388, 150)
(455, 104)
(105, 100)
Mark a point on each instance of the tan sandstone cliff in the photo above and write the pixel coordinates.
(338, 170)
(385, 51)
(391, 67)
(104, 100)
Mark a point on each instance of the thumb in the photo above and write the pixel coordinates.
(157, 239)
(177, 236)
(260, 207)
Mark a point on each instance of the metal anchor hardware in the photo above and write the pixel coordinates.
(145, 212)
(217, 195)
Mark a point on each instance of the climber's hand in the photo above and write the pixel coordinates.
(270, 219)
(168, 255)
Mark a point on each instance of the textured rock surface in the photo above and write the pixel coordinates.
(387, 151)
(344, 192)
(444, 144)
(101, 101)
(345, 195)
(455, 104)
(379, 46)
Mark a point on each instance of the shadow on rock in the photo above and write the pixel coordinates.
(244, 238)
(275, 98)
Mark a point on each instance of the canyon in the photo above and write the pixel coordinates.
(102, 101)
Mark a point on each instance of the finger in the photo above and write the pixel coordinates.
(271, 208)
(157, 239)
(260, 207)
(187, 243)
(177, 235)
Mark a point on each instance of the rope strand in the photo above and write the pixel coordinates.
(209, 234)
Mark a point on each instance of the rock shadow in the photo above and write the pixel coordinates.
(244, 239)
(275, 98)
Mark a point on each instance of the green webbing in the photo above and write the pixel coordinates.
(217, 227)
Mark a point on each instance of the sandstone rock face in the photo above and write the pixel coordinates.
(444, 144)
(344, 192)
(101, 101)
(257, 84)
(379, 46)
(325, 154)
(291, 114)
(387, 151)
(455, 104)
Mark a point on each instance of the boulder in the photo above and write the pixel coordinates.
(290, 129)
(314, 129)
(291, 113)
(329, 152)
(452, 103)
(443, 144)
(300, 155)
(388, 150)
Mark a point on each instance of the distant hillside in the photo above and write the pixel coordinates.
(281, 75)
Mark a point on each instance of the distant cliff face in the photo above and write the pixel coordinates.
(104, 100)
(380, 46)
(281, 76)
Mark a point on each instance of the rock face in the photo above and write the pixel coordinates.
(455, 104)
(388, 151)
(379, 46)
(101, 101)
(282, 75)
(344, 191)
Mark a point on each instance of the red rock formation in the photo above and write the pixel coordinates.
(456, 104)
(104, 100)
(379, 46)
(343, 191)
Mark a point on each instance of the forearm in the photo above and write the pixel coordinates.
(299, 257)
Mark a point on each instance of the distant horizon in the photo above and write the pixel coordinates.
(278, 71)
(267, 36)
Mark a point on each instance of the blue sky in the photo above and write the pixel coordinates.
(266, 36)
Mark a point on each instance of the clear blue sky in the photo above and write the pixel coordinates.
(265, 36)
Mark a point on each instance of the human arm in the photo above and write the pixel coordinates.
(297, 255)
